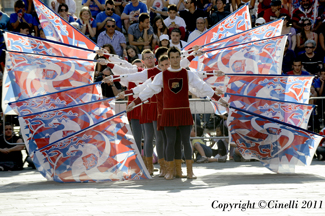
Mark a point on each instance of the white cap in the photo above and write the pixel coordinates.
(260, 20)
(163, 37)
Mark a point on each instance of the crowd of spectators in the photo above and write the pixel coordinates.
(127, 27)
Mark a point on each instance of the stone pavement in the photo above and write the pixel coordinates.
(28, 193)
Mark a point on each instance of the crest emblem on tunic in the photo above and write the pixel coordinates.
(175, 85)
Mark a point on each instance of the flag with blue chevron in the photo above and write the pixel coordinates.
(105, 151)
(279, 146)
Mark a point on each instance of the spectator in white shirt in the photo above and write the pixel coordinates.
(176, 39)
(200, 28)
(174, 21)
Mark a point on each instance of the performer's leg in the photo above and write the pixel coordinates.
(137, 132)
(185, 137)
(160, 149)
(170, 151)
(178, 156)
(148, 146)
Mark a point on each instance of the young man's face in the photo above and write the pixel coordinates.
(145, 24)
(172, 14)
(163, 65)
(149, 60)
(176, 37)
(322, 75)
(109, 9)
(8, 130)
(175, 59)
(24, 31)
(220, 5)
(297, 67)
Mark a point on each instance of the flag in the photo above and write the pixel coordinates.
(292, 113)
(258, 57)
(271, 29)
(234, 23)
(57, 29)
(277, 87)
(40, 129)
(279, 146)
(30, 75)
(29, 44)
(59, 99)
(105, 151)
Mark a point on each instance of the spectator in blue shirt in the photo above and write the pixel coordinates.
(87, 24)
(63, 12)
(288, 57)
(102, 17)
(113, 37)
(20, 16)
(95, 6)
(4, 20)
(319, 84)
(132, 11)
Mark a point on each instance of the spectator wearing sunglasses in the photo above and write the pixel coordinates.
(104, 16)
(113, 37)
(304, 35)
(70, 3)
(63, 12)
(310, 61)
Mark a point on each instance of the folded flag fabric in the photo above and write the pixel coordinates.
(279, 146)
(105, 151)
(29, 44)
(43, 128)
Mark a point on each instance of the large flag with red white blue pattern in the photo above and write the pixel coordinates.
(57, 29)
(28, 75)
(28, 44)
(258, 57)
(292, 113)
(271, 29)
(277, 87)
(235, 23)
(279, 146)
(40, 129)
(105, 151)
(59, 99)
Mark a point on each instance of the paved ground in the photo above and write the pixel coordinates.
(28, 193)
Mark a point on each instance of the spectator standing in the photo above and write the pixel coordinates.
(200, 28)
(20, 16)
(10, 155)
(140, 34)
(174, 21)
(290, 31)
(87, 23)
(157, 8)
(103, 16)
(191, 14)
(275, 11)
(95, 6)
(310, 61)
(297, 69)
(306, 34)
(113, 37)
(71, 5)
(218, 12)
(159, 28)
(176, 39)
(132, 11)
(63, 12)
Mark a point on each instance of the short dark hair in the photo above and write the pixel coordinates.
(110, 20)
(173, 50)
(172, 7)
(223, 1)
(111, 2)
(19, 4)
(163, 58)
(296, 60)
(23, 25)
(137, 61)
(63, 5)
(176, 30)
(160, 51)
(143, 17)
